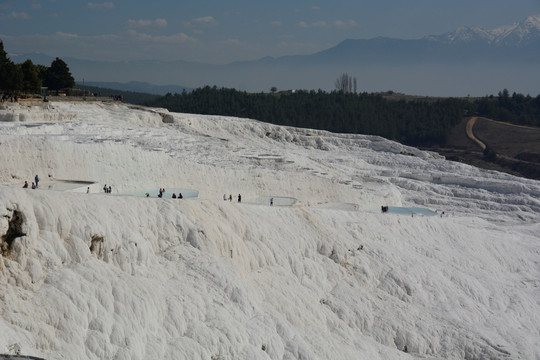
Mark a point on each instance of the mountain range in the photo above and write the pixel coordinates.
(526, 32)
(469, 60)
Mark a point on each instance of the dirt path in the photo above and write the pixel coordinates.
(470, 133)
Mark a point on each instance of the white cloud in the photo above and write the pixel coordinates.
(318, 24)
(174, 39)
(67, 35)
(344, 24)
(137, 24)
(160, 23)
(105, 5)
(15, 15)
(206, 21)
(164, 39)
(338, 24)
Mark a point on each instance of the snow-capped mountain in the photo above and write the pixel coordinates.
(520, 33)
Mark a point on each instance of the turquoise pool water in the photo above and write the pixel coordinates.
(411, 211)
(265, 200)
(64, 185)
(186, 193)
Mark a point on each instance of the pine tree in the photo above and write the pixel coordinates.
(30, 82)
(58, 76)
(10, 74)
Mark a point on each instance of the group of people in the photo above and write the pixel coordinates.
(34, 184)
(225, 198)
(8, 97)
(107, 189)
(162, 191)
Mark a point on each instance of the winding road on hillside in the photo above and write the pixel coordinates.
(470, 133)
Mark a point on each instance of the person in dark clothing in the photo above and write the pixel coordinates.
(25, 186)
(239, 198)
(180, 196)
(36, 179)
(173, 195)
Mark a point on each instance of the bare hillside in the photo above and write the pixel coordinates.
(511, 148)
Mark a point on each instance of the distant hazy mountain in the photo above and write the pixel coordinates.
(139, 87)
(519, 42)
(469, 60)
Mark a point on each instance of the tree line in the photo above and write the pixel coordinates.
(417, 122)
(28, 78)
(409, 122)
(516, 108)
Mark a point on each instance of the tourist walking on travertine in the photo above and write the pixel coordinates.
(36, 179)
(239, 198)
(271, 201)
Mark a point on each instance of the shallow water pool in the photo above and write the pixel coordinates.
(277, 200)
(64, 185)
(153, 193)
(411, 211)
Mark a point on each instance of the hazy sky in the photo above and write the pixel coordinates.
(219, 31)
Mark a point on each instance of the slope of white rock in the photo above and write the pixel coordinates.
(114, 276)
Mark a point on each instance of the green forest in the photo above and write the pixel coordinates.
(28, 78)
(418, 121)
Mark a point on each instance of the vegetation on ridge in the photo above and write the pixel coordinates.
(28, 78)
(413, 122)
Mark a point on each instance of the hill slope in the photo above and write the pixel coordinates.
(99, 275)
(514, 149)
